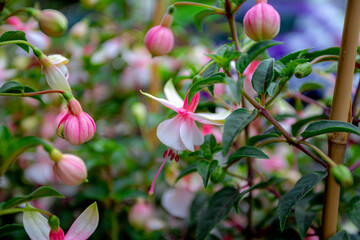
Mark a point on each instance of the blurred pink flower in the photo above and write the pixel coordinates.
(210, 129)
(276, 162)
(70, 169)
(249, 71)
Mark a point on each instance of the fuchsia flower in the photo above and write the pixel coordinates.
(76, 126)
(159, 39)
(37, 227)
(70, 169)
(181, 132)
(262, 22)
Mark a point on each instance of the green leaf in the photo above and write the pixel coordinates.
(259, 47)
(273, 86)
(329, 126)
(200, 16)
(15, 35)
(354, 211)
(247, 151)
(235, 87)
(41, 192)
(205, 169)
(219, 207)
(209, 147)
(298, 192)
(304, 219)
(234, 124)
(296, 127)
(289, 68)
(271, 133)
(16, 87)
(263, 75)
(329, 51)
(189, 169)
(308, 86)
(197, 86)
(292, 56)
(342, 235)
(211, 70)
(10, 228)
(6, 142)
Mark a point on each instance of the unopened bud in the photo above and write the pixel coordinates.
(70, 169)
(303, 70)
(218, 175)
(342, 176)
(54, 222)
(261, 22)
(196, 78)
(140, 213)
(52, 22)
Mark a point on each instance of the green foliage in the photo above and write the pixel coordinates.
(304, 219)
(235, 87)
(219, 207)
(205, 82)
(8, 229)
(16, 87)
(329, 126)
(354, 211)
(247, 151)
(296, 127)
(200, 16)
(234, 124)
(341, 235)
(15, 35)
(205, 169)
(298, 192)
(262, 76)
(224, 55)
(270, 133)
(41, 192)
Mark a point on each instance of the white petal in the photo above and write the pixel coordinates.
(211, 118)
(186, 133)
(177, 202)
(198, 138)
(168, 133)
(56, 79)
(36, 225)
(164, 102)
(85, 224)
(172, 95)
(58, 59)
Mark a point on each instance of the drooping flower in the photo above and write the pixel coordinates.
(52, 22)
(76, 126)
(37, 227)
(262, 21)
(181, 132)
(56, 73)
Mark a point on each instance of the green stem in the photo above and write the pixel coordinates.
(14, 13)
(18, 42)
(19, 210)
(325, 58)
(276, 140)
(231, 19)
(321, 153)
(31, 94)
(218, 10)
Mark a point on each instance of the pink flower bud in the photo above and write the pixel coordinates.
(262, 22)
(70, 169)
(57, 234)
(159, 40)
(52, 22)
(140, 213)
(76, 126)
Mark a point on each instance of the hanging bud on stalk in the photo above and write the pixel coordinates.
(159, 40)
(261, 22)
(70, 169)
(303, 70)
(342, 176)
(51, 22)
(56, 233)
(76, 126)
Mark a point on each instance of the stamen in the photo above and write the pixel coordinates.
(151, 192)
(177, 157)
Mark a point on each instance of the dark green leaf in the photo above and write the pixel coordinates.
(329, 51)
(296, 127)
(308, 86)
(289, 68)
(41, 192)
(189, 169)
(197, 86)
(211, 70)
(15, 35)
(271, 133)
(342, 235)
(205, 169)
(10, 228)
(298, 192)
(329, 126)
(293, 56)
(273, 86)
(304, 219)
(198, 206)
(235, 87)
(6, 142)
(219, 207)
(16, 87)
(200, 16)
(209, 147)
(247, 151)
(234, 124)
(259, 47)
(354, 211)
(263, 75)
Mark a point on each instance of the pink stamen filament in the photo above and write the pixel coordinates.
(151, 192)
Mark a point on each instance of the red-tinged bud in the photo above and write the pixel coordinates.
(70, 169)
(56, 233)
(76, 126)
(262, 22)
(52, 22)
(140, 213)
(159, 40)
